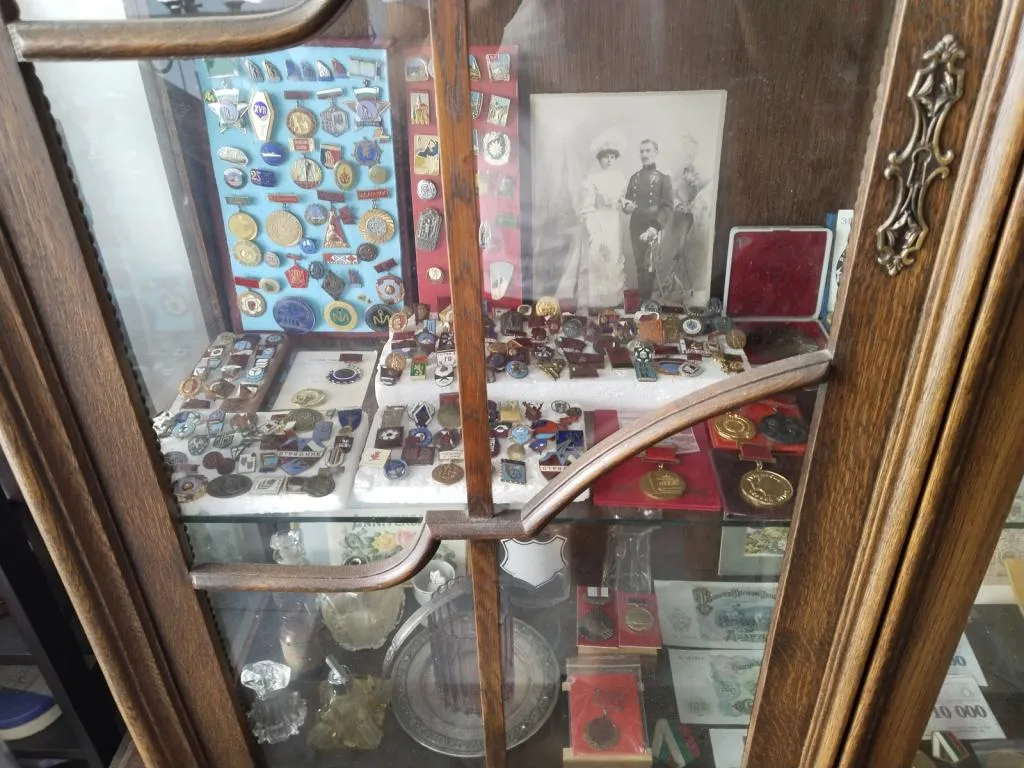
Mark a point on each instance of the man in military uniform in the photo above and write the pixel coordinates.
(648, 201)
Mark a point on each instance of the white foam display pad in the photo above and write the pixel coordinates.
(613, 388)
(282, 503)
(309, 369)
(419, 487)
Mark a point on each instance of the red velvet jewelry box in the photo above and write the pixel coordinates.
(606, 713)
(775, 280)
(621, 486)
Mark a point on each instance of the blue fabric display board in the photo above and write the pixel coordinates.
(305, 171)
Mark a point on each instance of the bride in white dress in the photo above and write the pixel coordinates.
(595, 270)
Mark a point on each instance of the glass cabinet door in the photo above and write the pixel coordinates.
(483, 345)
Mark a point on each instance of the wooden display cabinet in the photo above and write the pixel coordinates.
(906, 113)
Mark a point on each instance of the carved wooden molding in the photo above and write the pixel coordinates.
(172, 37)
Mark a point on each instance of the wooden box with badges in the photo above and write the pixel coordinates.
(309, 228)
(775, 282)
(606, 713)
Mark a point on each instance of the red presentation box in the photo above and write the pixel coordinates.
(595, 698)
(621, 486)
(638, 623)
(596, 627)
(775, 280)
(784, 405)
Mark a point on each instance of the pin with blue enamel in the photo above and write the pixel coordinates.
(273, 153)
(323, 72)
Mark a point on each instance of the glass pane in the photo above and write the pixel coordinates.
(979, 708)
(358, 678)
(125, 9)
(252, 219)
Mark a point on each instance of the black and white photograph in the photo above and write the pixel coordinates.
(624, 194)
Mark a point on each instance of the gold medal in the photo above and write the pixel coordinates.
(639, 619)
(307, 173)
(395, 362)
(547, 306)
(662, 484)
(376, 226)
(247, 253)
(344, 175)
(307, 398)
(735, 427)
(190, 387)
(301, 122)
(765, 489)
(448, 473)
(341, 316)
(284, 228)
(242, 225)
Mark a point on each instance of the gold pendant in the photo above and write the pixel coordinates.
(765, 489)
(284, 228)
(735, 427)
(376, 226)
(301, 123)
(242, 225)
(662, 484)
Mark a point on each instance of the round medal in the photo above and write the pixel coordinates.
(516, 452)
(736, 338)
(317, 269)
(662, 484)
(294, 315)
(448, 473)
(235, 178)
(315, 214)
(345, 175)
(271, 259)
(307, 398)
(765, 489)
(284, 228)
(435, 274)
(547, 306)
(426, 189)
(251, 304)
(692, 326)
(190, 387)
(395, 362)
(377, 226)
(320, 485)
(247, 253)
(341, 316)
(345, 374)
(189, 488)
(307, 173)
(785, 430)
(734, 427)
(601, 733)
(242, 225)
(304, 418)
(638, 618)
(395, 469)
(378, 317)
(301, 123)
(399, 322)
(390, 289)
(273, 153)
(367, 252)
(378, 174)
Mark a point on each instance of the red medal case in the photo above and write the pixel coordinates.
(499, 208)
(621, 486)
(595, 608)
(602, 690)
(775, 281)
(639, 637)
(785, 406)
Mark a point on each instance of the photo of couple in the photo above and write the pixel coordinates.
(625, 201)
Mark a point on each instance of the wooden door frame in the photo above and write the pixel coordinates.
(833, 558)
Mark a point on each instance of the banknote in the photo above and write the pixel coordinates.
(727, 746)
(964, 662)
(715, 614)
(962, 709)
(715, 687)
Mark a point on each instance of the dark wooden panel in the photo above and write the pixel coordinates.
(873, 432)
(44, 221)
(975, 471)
(483, 569)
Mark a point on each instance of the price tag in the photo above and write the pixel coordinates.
(962, 709)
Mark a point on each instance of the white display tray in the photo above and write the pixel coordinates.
(309, 369)
(615, 388)
(419, 487)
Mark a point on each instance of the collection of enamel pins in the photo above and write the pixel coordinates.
(325, 247)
